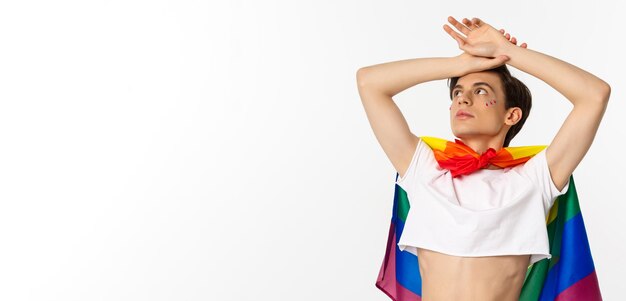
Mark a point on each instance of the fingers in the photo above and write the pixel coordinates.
(469, 24)
(478, 22)
(513, 39)
(500, 60)
(458, 25)
(493, 62)
(460, 40)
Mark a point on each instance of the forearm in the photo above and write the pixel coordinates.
(394, 77)
(577, 85)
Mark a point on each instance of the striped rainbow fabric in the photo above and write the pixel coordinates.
(569, 275)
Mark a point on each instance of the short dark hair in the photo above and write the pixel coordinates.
(516, 94)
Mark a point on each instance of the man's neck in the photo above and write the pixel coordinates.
(480, 146)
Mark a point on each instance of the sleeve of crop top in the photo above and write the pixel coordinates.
(536, 168)
(413, 171)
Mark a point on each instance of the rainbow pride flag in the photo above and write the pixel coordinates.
(569, 275)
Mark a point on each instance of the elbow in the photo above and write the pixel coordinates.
(602, 93)
(367, 80)
(361, 77)
(607, 92)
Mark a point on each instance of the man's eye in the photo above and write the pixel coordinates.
(454, 94)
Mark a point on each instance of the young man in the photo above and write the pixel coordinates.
(488, 108)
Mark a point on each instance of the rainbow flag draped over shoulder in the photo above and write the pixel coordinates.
(569, 275)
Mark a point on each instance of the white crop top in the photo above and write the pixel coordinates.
(485, 213)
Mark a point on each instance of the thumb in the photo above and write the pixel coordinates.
(468, 48)
(500, 60)
(495, 62)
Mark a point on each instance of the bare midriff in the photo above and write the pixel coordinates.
(446, 277)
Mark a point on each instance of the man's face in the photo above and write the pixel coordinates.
(481, 95)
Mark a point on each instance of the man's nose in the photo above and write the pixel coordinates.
(462, 99)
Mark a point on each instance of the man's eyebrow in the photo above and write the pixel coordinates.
(475, 84)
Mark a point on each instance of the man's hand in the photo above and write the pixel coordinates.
(480, 39)
(471, 63)
(513, 40)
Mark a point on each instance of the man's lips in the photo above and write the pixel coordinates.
(462, 113)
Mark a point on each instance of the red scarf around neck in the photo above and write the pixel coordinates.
(461, 159)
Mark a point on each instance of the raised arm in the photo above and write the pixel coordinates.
(586, 92)
(377, 85)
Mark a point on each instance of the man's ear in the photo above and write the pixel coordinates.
(513, 116)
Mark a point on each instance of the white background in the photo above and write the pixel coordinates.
(198, 150)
